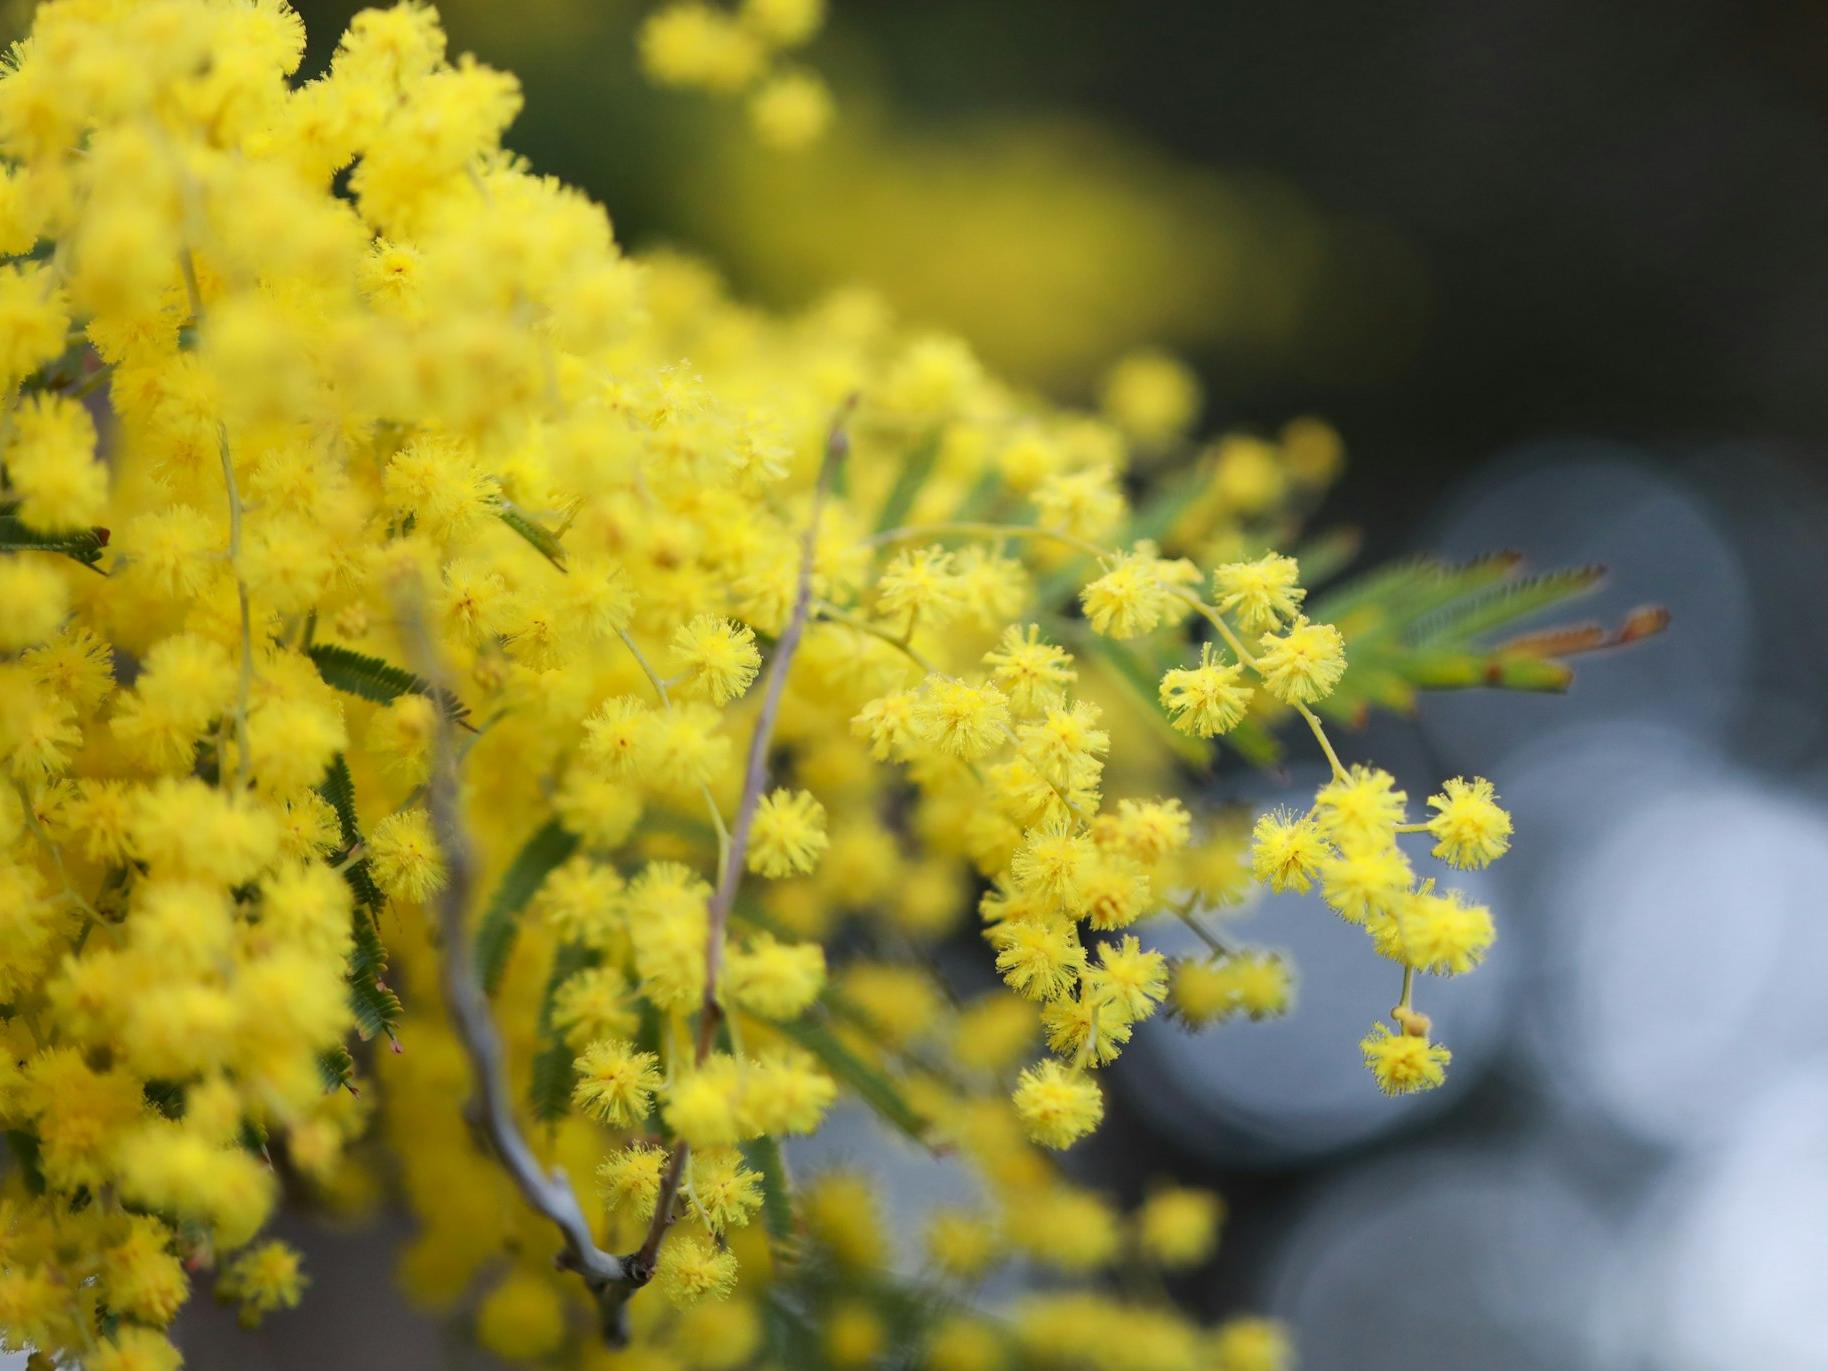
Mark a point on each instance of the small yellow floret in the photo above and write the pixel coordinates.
(1058, 1106)
(788, 835)
(1304, 663)
(1404, 1063)
(1470, 828)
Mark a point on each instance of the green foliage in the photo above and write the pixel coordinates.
(550, 1089)
(1422, 624)
(1140, 677)
(376, 1008)
(84, 545)
(356, 673)
(870, 1084)
(908, 481)
(550, 846)
(543, 539)
(764, 1157)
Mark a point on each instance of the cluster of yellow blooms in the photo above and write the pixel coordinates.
(401, 450)
(701, 46)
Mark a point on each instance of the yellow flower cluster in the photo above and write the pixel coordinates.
(361, 496)
(703, 46)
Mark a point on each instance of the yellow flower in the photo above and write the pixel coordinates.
(1208, 699)
(630, 1179)
(404, 857)
(960, 719)
(1129, 599)
(616, 1083)
(1058, 1106)
(1286, 852)
(1304, 663)
(1179, 1227)
(788, 836)
(1442, 933)
(775, 980)
(1251, 1344)
(691, 1269)
(1032, 673)
(1152, 394)
(265, 1278)
(1261, 593)
(790, 111)
(1403, 1063)
(718, 657)
(1364, 805)
(1469, 827)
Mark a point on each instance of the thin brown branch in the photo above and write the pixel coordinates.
(755, 780)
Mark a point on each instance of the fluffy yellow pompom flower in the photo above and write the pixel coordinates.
(705, 1108)
(1039, 960)
(136, 1349)
(1251, 1344)
(51, 463)
(718, 657)
(960, 1242)
(34, 600)
(403, 855)
(1286, 851)
(785, 23)
(788, 835)
(723, 1192)
(1152, 394)
(1404, 1063)
(34, 319)
(1208, 699)
(267, 1277)
(921, 583)
(1033, 674)
(1259, 985)
(694, 45)
(593, 1003)
(629, 1179)
(616, 1083)
(1470, 829)
(960, 719)
(1179, 1227)
(1364, 877)
(1261, 593)
(790, 111)
(522, 1319)
(1363, 805)
(786, 1094)
(1057, 1106)
(140, 1275)
(1129, 598)
(1442, 933)
(691, 1269)
(1304, 663)
(775, 980)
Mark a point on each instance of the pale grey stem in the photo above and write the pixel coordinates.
(611, 1279)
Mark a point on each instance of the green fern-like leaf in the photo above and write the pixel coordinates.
(1422, 625)
(550, 846)
(908, 482)
(377, 1009)
(356, 673)
(84, 545)
(543, 539)
(764, 1157)
(549, 1092)
(872, 1085)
